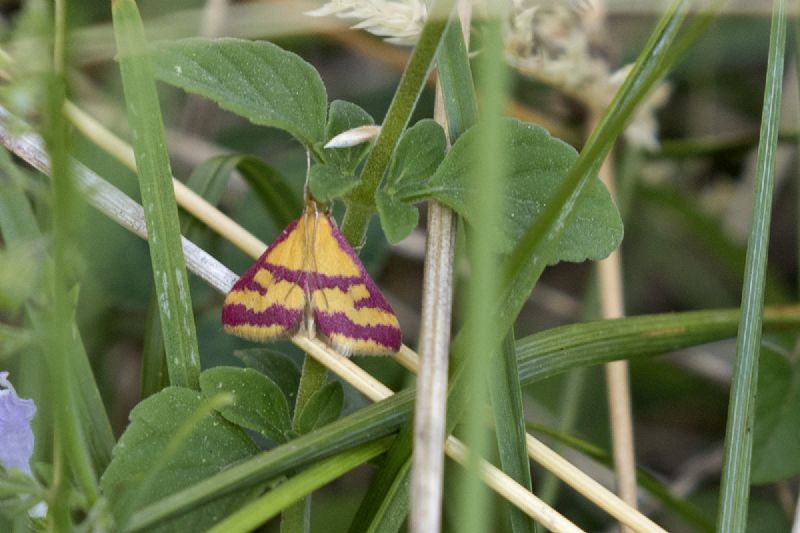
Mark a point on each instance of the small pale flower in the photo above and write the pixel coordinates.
(354, 137)
(398, 21)
(16, 435)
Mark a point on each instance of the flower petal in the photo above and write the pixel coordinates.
(16, 435)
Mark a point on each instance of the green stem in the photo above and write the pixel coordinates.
(72, 450)
(739, 432)
(361, 201)
(297, 517)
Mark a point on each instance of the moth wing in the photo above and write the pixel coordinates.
(268, 301)
(348, 309)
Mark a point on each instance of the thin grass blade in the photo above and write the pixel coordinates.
(161, 212)
(741, 412)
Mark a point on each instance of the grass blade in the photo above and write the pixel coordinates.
(509, 421)
(738, 435)
(487, 183)
(258, 512)
(161, 212)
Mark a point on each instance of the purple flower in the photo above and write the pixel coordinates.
(16, 435)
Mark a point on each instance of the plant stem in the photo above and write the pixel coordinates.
(297, 517)
(609, 283)
(361, 201)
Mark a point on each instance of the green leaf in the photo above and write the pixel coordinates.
(322, 408)
(158, 197)
(455, 74)
(343, 116)
(537, 164)
(327, 182)
(255, 79)
(776, 438)
(276, 366)
(398, 218)
(509, 419)
(209, 445)
(258, 403)
(419, 153)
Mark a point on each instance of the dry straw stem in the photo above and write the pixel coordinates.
(430, 408)
(222, 279)
(186, 198)
(609, 282)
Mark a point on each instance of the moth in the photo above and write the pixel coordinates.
(310, 279)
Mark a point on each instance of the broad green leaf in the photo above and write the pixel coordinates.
(420, 151)
(343, 116)
(258, 403)
(776, 439)
(147, 466)
(255, 79)
(328, 182)
(276, 366)
(537, 164)
(398, 218)
(322, 408)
